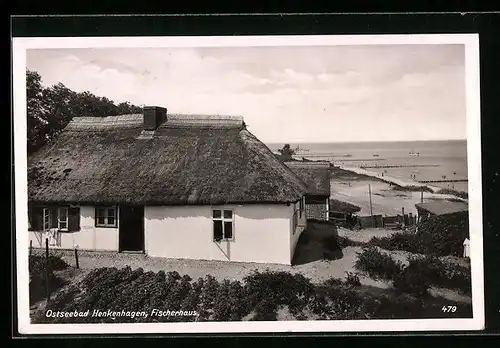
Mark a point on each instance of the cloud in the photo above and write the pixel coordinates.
(286, 94)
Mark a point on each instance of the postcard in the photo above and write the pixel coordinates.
(248, 184)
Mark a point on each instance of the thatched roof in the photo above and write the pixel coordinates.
(316, 175)
(189, 159)
(442, 207)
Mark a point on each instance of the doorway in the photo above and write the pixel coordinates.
(131, 231)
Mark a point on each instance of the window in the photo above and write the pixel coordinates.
(62, 218)
(57, 217)
(105, 217)
(223, 220)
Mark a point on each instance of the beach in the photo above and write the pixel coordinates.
(377, 195)
(389, 179)
(404, 162)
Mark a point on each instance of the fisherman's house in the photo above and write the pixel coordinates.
(176, 186)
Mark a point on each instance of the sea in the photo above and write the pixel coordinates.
(443, 160)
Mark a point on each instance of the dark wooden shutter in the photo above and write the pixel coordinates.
(74, 219)
(53, 218)
(35, 215)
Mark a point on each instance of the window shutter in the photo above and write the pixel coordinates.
(74, 219)
(35, 215)
(53, 217)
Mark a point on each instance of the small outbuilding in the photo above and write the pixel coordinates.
(439, 208)
(316, 176)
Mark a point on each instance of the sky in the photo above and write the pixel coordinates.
(285, 94)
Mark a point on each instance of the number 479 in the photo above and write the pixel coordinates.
(449, 309)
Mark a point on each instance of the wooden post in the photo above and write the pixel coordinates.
(76, 258)
(370, 194)
(31, 249)
(371, 208)
(422, 196)
(47, 265)
(328, 209)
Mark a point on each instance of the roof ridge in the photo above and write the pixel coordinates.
(82, 123)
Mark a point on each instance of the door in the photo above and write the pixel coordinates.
(131, 231)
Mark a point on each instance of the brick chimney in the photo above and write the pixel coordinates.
(153, 116)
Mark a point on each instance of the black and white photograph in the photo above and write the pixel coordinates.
(248, 184)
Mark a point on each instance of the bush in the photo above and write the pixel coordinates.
(344, 242)
(37, 271)
(444, 235)
(334, 300)
(267, 308)
(437, 235)
(412, 279)
(398, 241)
(352, 279)
(418, 276)
(283, 286)
(377, 264)
(443, 274)
(261, 293)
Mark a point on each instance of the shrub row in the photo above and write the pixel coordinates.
(258, 297)
(420, 273)
(438, 235)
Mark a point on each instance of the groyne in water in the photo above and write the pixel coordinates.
(400, 166)
(389, 179)
(440, 181)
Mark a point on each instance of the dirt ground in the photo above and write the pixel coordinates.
(365, 234)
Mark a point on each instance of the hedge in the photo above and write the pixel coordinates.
(258, 297)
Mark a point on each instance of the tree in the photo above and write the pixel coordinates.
(50, 109)
(36, 121)
(286, 153)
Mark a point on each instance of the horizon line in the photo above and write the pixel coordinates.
(361, 141)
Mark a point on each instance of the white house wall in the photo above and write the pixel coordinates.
(88, 238)
(261, 233)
